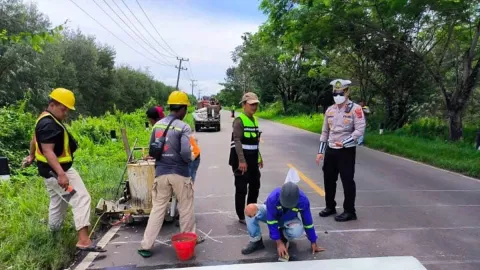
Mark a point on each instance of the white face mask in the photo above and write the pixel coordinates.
(339, 99)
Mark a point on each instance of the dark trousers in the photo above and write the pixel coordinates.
(340, 161)
(248, 183)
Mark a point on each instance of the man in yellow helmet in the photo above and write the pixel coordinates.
(53, 148)
(171, 148)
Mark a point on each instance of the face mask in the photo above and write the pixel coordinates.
(339, 99)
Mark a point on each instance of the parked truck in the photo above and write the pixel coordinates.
(207, 114)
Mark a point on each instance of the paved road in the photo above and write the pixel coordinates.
(404, 209)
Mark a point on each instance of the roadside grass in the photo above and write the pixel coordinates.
(25, 241)
(423, 141)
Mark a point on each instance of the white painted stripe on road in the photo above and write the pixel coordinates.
(210, 196)
(102, 243)
(426, 165)
(226, 212)
(331, 231)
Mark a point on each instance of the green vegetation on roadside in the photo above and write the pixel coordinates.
(424, 140)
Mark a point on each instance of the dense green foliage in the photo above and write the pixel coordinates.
(407, 59)
(35, 59)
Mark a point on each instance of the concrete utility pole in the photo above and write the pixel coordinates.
(180, 68)
(193, 84)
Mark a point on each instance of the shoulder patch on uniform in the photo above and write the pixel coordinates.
(359, 112)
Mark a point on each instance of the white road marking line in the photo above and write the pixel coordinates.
(210, 196)
(229, 213)
(336, 231)
(102, 243)
(207, 235)
(163, 243)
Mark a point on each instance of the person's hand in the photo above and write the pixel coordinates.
(316, 248)
(260, 164)
(27, 161)
(339, 144)
(63, 181)
(319, 158)
(281, 249)
(242, 167)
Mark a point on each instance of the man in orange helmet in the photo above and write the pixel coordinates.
(53, 147)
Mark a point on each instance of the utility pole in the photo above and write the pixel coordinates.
(199, 91)
(193, 84)
(180, 68)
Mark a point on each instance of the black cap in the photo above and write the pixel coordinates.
(152, 113)
(289, 195)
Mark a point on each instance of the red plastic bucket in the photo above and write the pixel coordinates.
(184, 245)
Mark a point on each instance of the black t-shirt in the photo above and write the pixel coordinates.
(48, 131)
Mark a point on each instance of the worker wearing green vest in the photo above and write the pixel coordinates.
(245, 157)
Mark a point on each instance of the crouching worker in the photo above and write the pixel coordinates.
(53, 148)
(280, 212)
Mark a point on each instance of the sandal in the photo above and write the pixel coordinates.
(91, 248)
(144, 253)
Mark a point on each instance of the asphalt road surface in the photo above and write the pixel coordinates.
(404, 209)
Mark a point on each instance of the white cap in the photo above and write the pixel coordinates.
(340, 84)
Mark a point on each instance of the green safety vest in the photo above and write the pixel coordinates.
(250, 142)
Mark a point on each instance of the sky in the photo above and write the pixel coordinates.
(203, 31)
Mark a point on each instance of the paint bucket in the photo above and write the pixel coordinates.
(184, 245)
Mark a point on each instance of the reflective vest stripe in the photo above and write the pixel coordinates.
(249, 147)
(66, 156)
(162, 126)
(246, 146)
(271, 222)
(308, 226)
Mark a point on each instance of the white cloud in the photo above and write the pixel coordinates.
(206, 39)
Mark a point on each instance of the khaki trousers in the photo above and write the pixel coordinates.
(80, 202)
(163, 187)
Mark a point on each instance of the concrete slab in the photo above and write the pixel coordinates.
(386, 263)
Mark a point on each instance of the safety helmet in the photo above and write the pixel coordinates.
(178, 98)
(64, 96)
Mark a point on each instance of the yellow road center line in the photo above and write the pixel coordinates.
(309, 181)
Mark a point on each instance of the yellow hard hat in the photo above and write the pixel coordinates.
(64, 96)
(178, 98)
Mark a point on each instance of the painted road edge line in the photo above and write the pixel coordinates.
(309, 181)
(102, 243)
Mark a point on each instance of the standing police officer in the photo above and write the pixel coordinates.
(245, 157)
(344, 123)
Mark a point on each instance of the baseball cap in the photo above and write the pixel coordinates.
(250, 98)
(289, 195)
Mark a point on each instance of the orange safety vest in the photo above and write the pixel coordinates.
(196, 149)
(66, 155)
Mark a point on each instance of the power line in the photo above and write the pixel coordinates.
(174, 53)
(137, 32)
(190, 70)
(126, 44)
(144, 26)
(101, 8)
